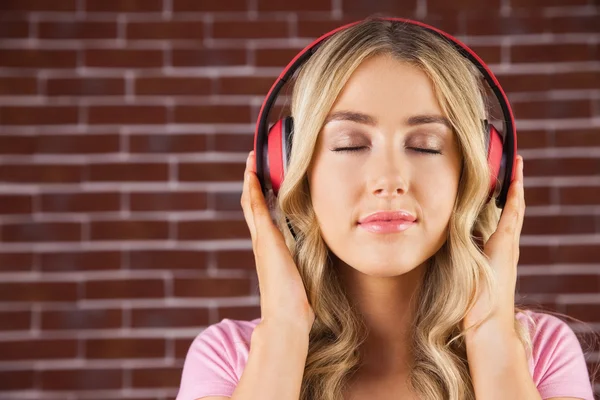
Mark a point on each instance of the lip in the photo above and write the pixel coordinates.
(392, 226)
(394, 217)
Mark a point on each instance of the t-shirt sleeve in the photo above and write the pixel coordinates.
(208, 368)
(560, 369)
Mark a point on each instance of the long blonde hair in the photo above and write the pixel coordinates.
(452, 281)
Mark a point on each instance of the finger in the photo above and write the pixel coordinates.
(521, 200)
(511, 214)
(258, 204)
(245, 201)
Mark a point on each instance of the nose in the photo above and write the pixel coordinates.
(390, 175)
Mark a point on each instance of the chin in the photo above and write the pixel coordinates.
(385, 269)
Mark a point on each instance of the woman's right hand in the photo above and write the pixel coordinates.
(283, 297)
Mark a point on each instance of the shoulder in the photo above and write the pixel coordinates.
(216, 359)
(557, 363)
(229, 337)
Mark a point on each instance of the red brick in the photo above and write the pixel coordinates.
(124, 5)
(168, 317)
(38, 115)
(165, 30)
(313, 28)
(123, 58)
(577, 137)
(16, 261)
(38, 5)
(485, 23)
(125, 348)
(173, 86)
(240, 313)
(80, 202)
(489, 54)
(536, 196)
(16, 85)
(77, 144)
(348, 6)
(207, 114)
(129, 230)
(558, 224)
(16, 29)
(555, 284)
(577, 254)
(123, 172)
(212, 172)
(168, 259)
(206, 230)
(540, 109)
(38, 291)
(562, 167)
(81, 379)
(537, 139)
(179, 201)
(245, 85)
(38, 58)
(235, 259)
(168, 143)
(80, 261)
(547, 3)
(37, 349)
(573, 24)
(234, 142)
(553, 52)
(579, 195)
(209, 6)
(536, 255)
(76, 319)
(16, 204)
(85, 86)
(275, 57)
(441, 6)
(227, 201)
(155, 377)
(212, 287)
(199, 57)
(126, 114)
(250, 29)
(124, 289)
(41, 232)
(584, 312)
(77, 30)
(41, 173)
(543, 82)
(15, 320)
(17, 380)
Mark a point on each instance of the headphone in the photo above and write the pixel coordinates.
(272, 149)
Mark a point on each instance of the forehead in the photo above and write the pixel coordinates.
(387, 90)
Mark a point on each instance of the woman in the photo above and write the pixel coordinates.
(387, 117)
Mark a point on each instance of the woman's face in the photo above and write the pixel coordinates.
(387, 172)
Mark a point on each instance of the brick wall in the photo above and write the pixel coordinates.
(124, 127)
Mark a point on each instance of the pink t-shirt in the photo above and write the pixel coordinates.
(217, 356)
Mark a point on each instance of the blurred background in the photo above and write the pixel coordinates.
(124, 128)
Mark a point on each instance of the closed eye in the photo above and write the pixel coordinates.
(417, 149)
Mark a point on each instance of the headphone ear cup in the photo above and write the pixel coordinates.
(278, 152)
(495, 157)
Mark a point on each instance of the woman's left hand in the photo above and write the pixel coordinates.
(502, 250)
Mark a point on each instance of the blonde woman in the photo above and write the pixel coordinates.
(388, 274)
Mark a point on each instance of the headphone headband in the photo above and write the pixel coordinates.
(510, 136)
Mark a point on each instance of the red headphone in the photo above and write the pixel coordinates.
(272, 151)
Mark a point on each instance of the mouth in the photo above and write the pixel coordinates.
(387, 226)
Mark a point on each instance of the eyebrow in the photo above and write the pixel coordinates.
(366, 119)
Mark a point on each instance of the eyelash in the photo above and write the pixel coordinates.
(353, 149)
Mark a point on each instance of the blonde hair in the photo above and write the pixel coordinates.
(452, 281)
